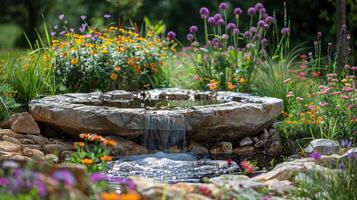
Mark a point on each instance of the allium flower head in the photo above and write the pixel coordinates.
(217, 17)
(269, 19)
(285, 31)
(264, 42)
(251, 11)
(261, 23)
(204, 12)
(211, 21)
(258, 6)
(107, 16)
(61, 16)
(171, 35)
(247, 34)
(342, 166)
(223, 6)
(238, 11)
(231, 26)
(189, 37)
(193, 29)
(225, 37)
(253, 29)
(315, 155)
(221, 22)
(236, 31)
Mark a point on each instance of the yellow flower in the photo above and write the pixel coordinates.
(74, 61)
(45, 57)
(213, 85)
(114, 77)
(242, 81)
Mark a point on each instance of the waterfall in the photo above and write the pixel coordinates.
(164, 131)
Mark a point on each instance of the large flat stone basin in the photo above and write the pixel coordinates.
(204, 116)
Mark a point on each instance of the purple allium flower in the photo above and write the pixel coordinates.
(236, 31)
(315, 155)
(238, 11)
(211, 21)
(53, 33)
(221, 22)
(107, 16)
(261, 23)
(264, 41)
(62, 32)
(253, 29)
(171, 35)
(65, 176)
(217, 17)
(342, 166)
(95, 177)
(285, 31)
(266, 26)
(269, 19)
(61, 16)
(351, 155)
(256, 37)
(247, 34)
(83, 17)
(195, 44)
(204, 12)
(329, 150)
(193, 29)
(4, 182)
(189, 37)
(215, 41)
(231, 26)
(230, 48)
(346, 143)
(225, 37)
(223, 6)
(258, 6)
(251, 11)
(319, 34)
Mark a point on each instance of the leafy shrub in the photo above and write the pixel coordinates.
(7, 101)
(228, 58)
(115, 58)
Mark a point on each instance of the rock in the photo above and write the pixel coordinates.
(50, 132)
(7, 132)
(33, 153)
(259, 144)
(264, 136)
(126, 147)
(37, 139)
(51, 158)
(275, 125)
(323, 146)
(222, 148)
(255, 139)
(350, 156)
(245, 142)
(272, 131)
(21, 158)
(66, 155)
(9, 146)
(244, 115)
(244, 151)
(27, 141)
(21, 123)
(11, 139)
(32, 146)
(276, 148)
(279, 187)
(53, 148)
(194, 147)
(192, 196)
(173, 149)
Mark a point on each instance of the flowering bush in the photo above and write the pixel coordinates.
(115, 58)
(94, 152)
(228, 58)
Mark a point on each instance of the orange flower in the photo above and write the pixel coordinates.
(114, 77)
(106, 158)
(130, 196)
(78, 145)
(117, 68)
(87, 161)
(84, 136)
(230, 86)
(109, 196)
(74, 61)
(95, 137)
(110, 143)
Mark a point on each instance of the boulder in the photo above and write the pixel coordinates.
(126, 147)
(247, 141)
(222, 148)
(21, 123)
(323, 146)
(55, 148)
(9, 146)
(195, 147)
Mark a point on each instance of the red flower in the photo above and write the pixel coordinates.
(315, 74)
(204, 190)
(229, 162)
(247, 166)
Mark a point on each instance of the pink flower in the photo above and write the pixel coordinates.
(311, 108)
(204, 190)
(315, 74)
(331, 75)
(352, 106)
(247, 166)
(290, 94)
(347, 89)
(335, 93)
(347, 67)
(303, 67)
(299, 99)
(354, 68)
(345, 97)
(323, 104)
(302, 74)
(287, 81)
(321, 86)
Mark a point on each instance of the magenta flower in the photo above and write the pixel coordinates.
(61, 16)
(269, 19)
(123, 181)
(251, 11)
(347, 89)
(204, 12)
(65, 176)
(345, 97)
(4, 182)
(290, 94)
(261, 23)
(285, 31)
(217, 17)
(354, 68)
(193, 29)
(171, 35)
(189, 37)
(221, 22)
(247, 34)
(238, 11)
(315, 155)
(236, 31)
(211, 21)
(223, 6)
(95, 177)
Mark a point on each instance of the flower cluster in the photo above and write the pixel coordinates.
(228, 57)
(115, 58)
(94, 152)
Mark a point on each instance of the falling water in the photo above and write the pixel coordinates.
(164, 131)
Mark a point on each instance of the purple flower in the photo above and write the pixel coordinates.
(342, 166)
(217, 17)
(221, 22)
(65, 176)
(261, 23)
(223, 6)
(193, 29)
(285, 31)
(107, 16)
(247, 34)
(258, 6)
(251, 11)
(225, 37)
(61, 16)
(81, 29)
(211, 21)
(329, 150)
(256, 37)
(231, 26)
(215, 41)
(171, 35)
(41, 188)
(315, 155)
(204, 12)
(264, 42)
(53, 33)
(4, 182)
(123, 181)
(236, 31)
(238, 11)
(266, 26)
(95, 177)
(189, 37)
(253, 29)
(83, 17)
(351, 155)
(62, 32)
(346, 143)
(269, 19)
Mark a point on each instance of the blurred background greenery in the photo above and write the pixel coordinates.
(307, 17)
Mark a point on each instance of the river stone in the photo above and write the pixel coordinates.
(222, 148)
(195, 147)
(21, 123)
(247, 141)
(235, 116)
(11, 139)
(55, 148)
(33, 153)
(323, 146)
(244, 151)
(9, 146)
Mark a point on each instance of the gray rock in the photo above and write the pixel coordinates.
(55, 148)
(272, 131)
(247, 141)
(275, 125)
(126, 147)
(237, 115)
(265, 135)
(276, 148)
(323, 146)
(195, 147)
(259, 144)
(222, 148)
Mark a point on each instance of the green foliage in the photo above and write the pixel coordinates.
(7, 101)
